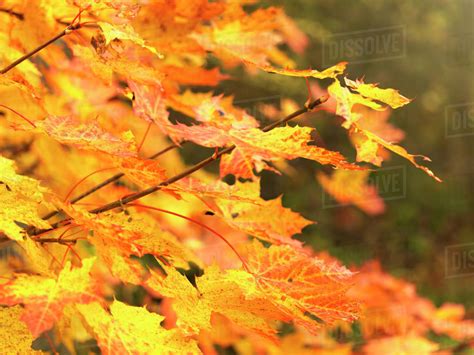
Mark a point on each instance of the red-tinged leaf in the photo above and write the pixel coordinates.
(217, 111)
(215, 190)
(44, 298)
(143, 172)
(351, 187)
(190, 75)
(254, 147)
(307, 289)
(88, 135)
(131, 233)
(149, 103)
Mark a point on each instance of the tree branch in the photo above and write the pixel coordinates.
(105, 183)
(66, 31)
(135, 196)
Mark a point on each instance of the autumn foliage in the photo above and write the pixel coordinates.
(110, 241)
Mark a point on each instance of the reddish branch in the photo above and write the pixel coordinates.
(70, 27)
(135, 196)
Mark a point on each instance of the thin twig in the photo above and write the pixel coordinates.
(56, 240)
(105, 183)
(135, 196)
(66, 31)
(13, 13)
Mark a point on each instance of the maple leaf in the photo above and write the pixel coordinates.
(331, 72)
(234, 40)
(267, 220)
(144, 172)
(254, 147)
(368, 143)
(346, 101)
(132, 234)
(124, 32)
(192, 75)
(88, 135)
(214, 293)
(20, 197)
(367, 150)
(218, 111)
(306, 288)
(350, 187)
(105, 65)
(390, 97)
(217, 190)
(149, 103)
(133, 330)
(16, 338)
(44, 298)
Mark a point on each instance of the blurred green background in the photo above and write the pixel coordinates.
(419, 230)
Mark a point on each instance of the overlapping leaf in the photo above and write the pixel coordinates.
(254, 147)
(16, 338)
(133, 330)
(215, 292)
(307, 289)
(20, 197)
(367, 143)
(44, 298)
(88, 135)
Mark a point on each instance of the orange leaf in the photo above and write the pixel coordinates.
(44, 298)
(307, 289)
(350, 187)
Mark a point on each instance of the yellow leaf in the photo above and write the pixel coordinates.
(16, 338)
(124, 32)
(214, 292)
(20, 197)
(44, 298)
(390, 97)
(133, 330)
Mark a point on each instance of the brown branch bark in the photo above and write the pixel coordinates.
(135, 196)
(105, 183)
(66, 31)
